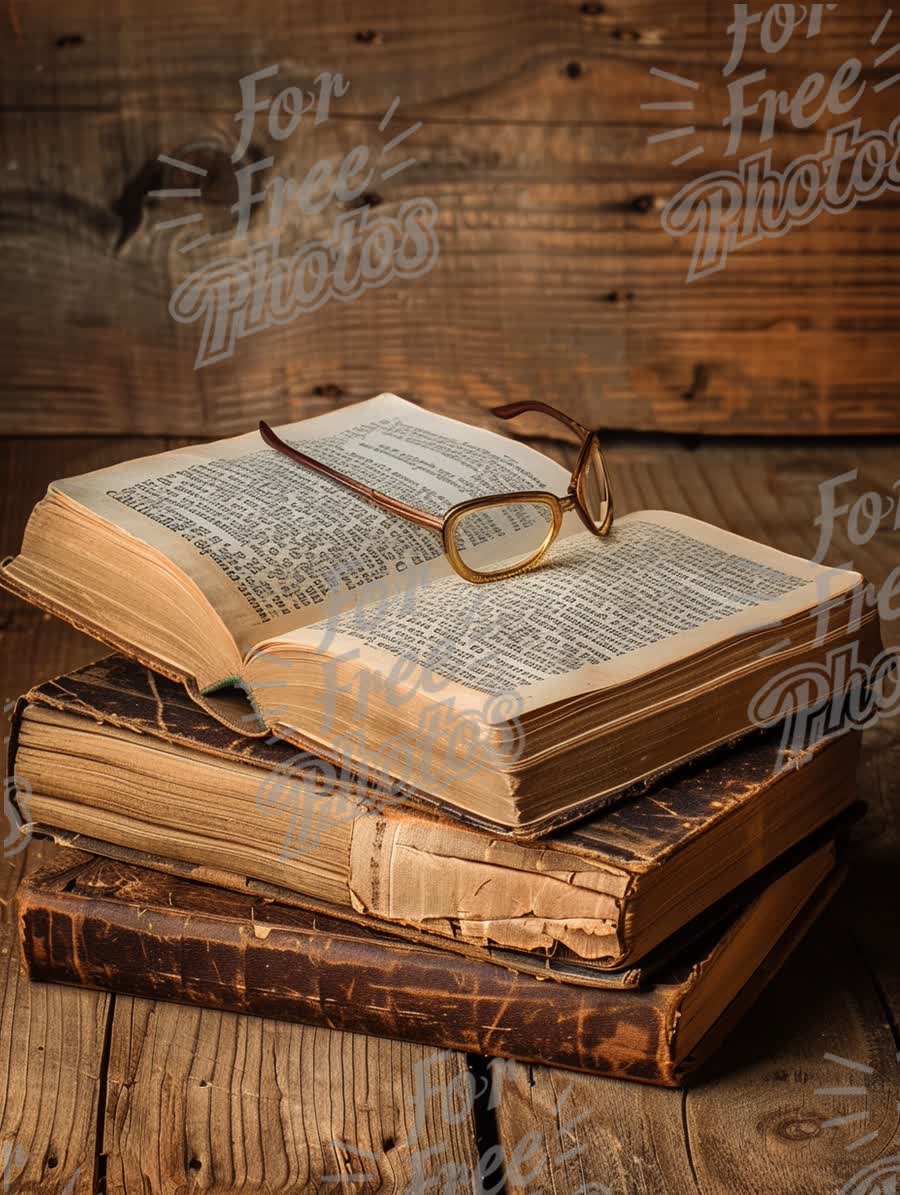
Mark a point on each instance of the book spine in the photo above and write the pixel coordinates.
(395, 990)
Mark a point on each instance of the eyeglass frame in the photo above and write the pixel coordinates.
(446, 525)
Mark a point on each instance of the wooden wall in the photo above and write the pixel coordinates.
(555, 279)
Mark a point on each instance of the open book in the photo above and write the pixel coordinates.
(520, 704)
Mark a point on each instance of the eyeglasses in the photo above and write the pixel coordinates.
(501, 535)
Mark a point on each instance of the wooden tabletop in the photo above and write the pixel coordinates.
(134, 1096)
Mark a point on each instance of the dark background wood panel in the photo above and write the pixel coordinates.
(444, 53)
(555, 278)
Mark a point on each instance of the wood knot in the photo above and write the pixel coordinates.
(799, 1129)
(618, 296)
(129, 207)
(642, 203)
(626, 34)
(217, 184)
(592, 10)
(367, 37)
(68, 39)
(328, 390)
(574, 70)
(700, 383)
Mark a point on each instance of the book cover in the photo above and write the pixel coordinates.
(102, 924)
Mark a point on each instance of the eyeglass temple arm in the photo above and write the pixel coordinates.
(421, 518)
(511, 410)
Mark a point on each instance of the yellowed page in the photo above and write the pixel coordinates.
(272, 545)
(599, 614)
(483, 889)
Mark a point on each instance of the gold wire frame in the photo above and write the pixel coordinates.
(446, 525)
(456, 513)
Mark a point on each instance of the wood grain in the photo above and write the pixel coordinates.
(123, 51)
(51, 1055)
(564, 1133)
(555, 278)
(769, 1125)
(242, 1104)
(762, 1127)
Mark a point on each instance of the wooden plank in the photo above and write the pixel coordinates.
(82, 52)
(555, 277)
(242, 1104)
(768, 1123)
(761, 1126)
(563, 1133)
(51, 1054)
(798, 342)
(51, 1050)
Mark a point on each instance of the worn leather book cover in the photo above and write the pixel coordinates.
(593, 899)
(103, 924)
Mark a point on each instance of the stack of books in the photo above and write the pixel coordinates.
(578, 816)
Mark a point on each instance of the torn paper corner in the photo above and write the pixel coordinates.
(401, 871)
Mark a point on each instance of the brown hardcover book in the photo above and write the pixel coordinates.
(520, 705)
(118, 760)
(103, 924)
